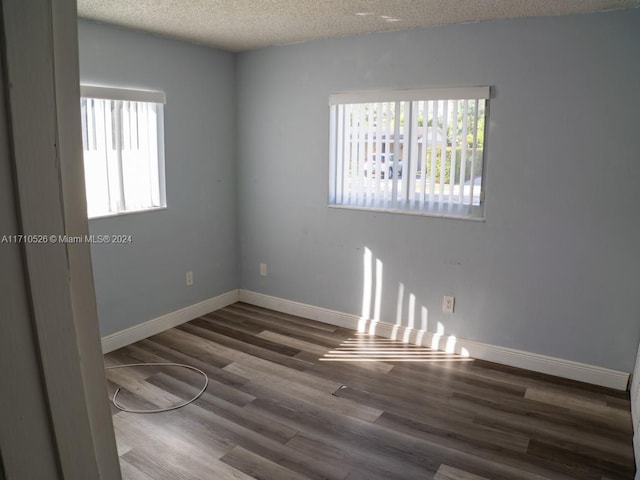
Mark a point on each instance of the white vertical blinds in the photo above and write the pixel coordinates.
(123, 154)
(419, 153)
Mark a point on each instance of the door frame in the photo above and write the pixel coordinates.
(43, 142)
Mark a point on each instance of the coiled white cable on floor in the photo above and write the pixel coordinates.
(159, 410)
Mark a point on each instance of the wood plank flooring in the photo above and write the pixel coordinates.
(291, 398)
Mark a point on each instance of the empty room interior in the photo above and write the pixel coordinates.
(372, 240)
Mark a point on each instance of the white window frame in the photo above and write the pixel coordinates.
(117, 192)
(353, 181)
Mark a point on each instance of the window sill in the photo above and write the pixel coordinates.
(476, 215)
(128, 212)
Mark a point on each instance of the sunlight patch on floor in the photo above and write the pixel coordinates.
(371, 349)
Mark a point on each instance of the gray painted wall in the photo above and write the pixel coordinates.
(553, 270)
(197, 232)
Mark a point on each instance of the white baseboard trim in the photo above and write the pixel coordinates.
(160, 324)
(507, 356)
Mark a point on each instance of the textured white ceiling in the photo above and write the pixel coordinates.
(239, 25)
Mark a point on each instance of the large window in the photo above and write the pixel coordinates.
(410, 151)
(123, 145)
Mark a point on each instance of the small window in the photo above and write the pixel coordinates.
(409, 151)
(123, 146)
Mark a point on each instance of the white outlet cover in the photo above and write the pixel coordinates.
(448, 304)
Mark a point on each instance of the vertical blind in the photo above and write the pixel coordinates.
(411, 150)
(123, 155)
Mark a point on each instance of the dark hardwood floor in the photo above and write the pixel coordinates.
(291, 398)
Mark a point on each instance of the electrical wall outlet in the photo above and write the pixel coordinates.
(448, 304)
(263, 269)
(189, 279)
